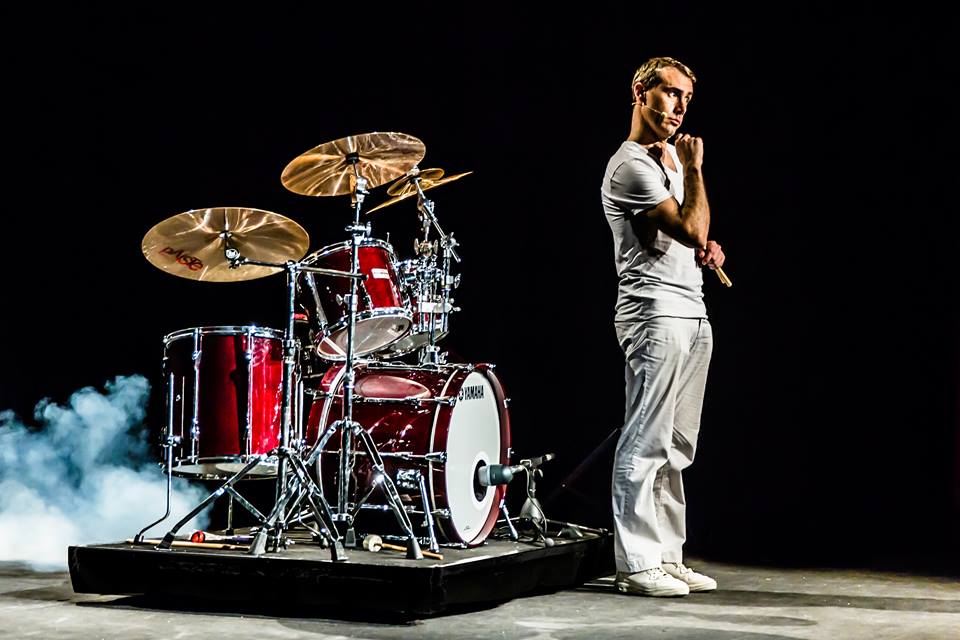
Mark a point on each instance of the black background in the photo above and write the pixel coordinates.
(830, 431)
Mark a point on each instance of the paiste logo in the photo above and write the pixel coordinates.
(190, 262)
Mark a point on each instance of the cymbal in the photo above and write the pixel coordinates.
(405, 188)
(326, 169)
(191, 244)
(425, 174)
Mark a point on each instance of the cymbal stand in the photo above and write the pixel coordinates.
(348, 427)
(295, 480)
(430, 354)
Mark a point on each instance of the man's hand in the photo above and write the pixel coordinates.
(712, 256)
(690, 151)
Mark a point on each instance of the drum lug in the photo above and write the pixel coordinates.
(366, 296)
(408, 479)
(438, 457)
(350, 301)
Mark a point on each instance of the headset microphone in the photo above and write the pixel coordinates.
(662, 115)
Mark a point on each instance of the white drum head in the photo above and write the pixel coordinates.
(473, 440)
(371, 334)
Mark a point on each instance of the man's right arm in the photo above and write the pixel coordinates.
(690, 223)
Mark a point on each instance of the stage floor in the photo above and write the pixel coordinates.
(752, 603)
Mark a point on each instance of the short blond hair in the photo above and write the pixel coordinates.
(648, 74)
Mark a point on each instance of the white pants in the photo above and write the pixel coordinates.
(666, 372)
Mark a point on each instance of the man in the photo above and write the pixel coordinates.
(654, 200)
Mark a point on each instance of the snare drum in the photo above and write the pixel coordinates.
(382, 317)
(224, 399)
(442, 423)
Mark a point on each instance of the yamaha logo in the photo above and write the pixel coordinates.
(471, 393)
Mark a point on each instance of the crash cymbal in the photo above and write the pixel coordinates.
(398, 186)
(327, 170)
(407, 188)
(191, 244)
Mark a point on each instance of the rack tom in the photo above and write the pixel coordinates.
(383, 314)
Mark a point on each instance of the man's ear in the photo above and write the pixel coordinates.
(639, 93)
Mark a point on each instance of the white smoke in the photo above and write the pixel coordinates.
(83, 475)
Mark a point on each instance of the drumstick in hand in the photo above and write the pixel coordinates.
(720, 274)
(723, 277)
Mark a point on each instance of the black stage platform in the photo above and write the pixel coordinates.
(304, 575)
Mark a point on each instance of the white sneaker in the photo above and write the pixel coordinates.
(651, 582)
(696, 581)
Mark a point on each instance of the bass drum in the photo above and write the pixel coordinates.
(445, 422)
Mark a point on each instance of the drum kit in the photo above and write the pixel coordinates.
(364, 432)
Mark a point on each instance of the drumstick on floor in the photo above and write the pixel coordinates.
(194, 545)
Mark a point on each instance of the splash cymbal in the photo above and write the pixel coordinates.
(327, 169)
(406, 187)
(191, 244)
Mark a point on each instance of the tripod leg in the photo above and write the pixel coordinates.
(235, 495)
(258, 546)
(532, 512)
(318, 448)
(325, 516)
(393, 496)
(506, 516)
(229, 529)
(167, 541)
(428, 513)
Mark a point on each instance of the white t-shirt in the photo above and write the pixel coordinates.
(661, 277)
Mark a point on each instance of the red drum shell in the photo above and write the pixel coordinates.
(382, 314)
(238, 401)
(473, 432)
